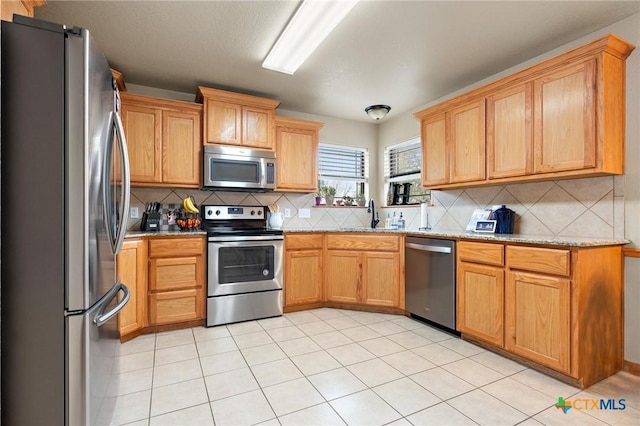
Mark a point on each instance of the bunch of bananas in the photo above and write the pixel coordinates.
(189, 206)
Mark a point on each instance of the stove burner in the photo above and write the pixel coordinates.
(236, 220)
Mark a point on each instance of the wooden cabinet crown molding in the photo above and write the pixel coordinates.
(610, 43)
(159, 103)
(232, 97)
(298, 123)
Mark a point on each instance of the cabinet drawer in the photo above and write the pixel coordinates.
(174, 247)
(547, 261)
(303, 241)
(363, 242)
(175, 306)
(489, 254)
(175, 273)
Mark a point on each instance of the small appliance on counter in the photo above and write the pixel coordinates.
(505, 218)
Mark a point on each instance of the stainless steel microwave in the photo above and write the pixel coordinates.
(235, 168)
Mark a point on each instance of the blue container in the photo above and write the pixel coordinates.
(504, 220)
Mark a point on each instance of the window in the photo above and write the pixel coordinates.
(344, 168)
(402, 164)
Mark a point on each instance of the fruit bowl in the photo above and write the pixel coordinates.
(188, 223)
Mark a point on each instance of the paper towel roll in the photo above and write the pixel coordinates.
(424, 218)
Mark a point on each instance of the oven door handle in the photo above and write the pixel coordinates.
(236, 238)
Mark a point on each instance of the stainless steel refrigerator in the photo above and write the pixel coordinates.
(65, 194)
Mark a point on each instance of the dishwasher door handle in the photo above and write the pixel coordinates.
(435, 249)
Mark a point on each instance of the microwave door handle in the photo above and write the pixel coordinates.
(125, 197)
(263, 172)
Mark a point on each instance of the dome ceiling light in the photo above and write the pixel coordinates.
(377, 111)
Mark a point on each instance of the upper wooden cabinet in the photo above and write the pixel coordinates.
(163, 136)
(21, 7)
(237, 119)
(561, 118)
(297, 153)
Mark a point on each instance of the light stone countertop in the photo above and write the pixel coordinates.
(141, 234)
(466, 235)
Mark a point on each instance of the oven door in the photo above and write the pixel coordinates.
(244, 264)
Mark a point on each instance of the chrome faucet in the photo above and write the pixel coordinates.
(374, 216)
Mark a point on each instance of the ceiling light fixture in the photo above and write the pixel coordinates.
(311, 23)
(377, 111)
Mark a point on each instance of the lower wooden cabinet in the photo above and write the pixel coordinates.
(303, 269)
(176, 279)
(131, 266)
(344, 276)
(381, 278)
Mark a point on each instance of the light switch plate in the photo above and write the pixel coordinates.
(134, 213)
(304, 213)
(287, 212)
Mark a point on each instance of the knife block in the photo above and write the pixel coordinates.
(150, 221)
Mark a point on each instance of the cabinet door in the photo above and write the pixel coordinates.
(131, 264)
(381, 278)
(467, 141)
(143, 130)
(224, 123)
(181, 148)
(537, 318)
(565, 119)
(257, 127)
(481, 302)
(343, 272)
(174, 273)
(435, 156)
(176, 306)
(297, 168)
(302, 276)
(509, 132)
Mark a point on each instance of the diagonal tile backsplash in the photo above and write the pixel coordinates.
(589, 207)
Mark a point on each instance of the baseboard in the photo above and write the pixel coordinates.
(631, 367)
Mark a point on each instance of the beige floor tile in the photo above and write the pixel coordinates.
(386, 328)
(408, 323)
(134, 361)
(433, 334)
(285, 333)
(327, 313)
(375, 372)
(220, 363)
(271, 422)
(462, 347)
(437, 354)
(530, 422)
(244, 409)
(244, 328)
(623, 415)
(336, 383)
(315, 362)
(231, 383)
(343, 322)
(408, 362)
(125, 409)
(178, 338)
(360, 333)
(176, 372)
(519, 396)
(318, 415)
(440, 415)
(261, 354)
(209, 333)
(303, 345)
(316, 327)
(275, 372)
(555, 417)
(381, 346)
(621, 385)
(410, 340)
(350, 354)
(144, 422)
(249, 340)
(484, 409)
(200, 415)
(130, 382)
(441, 383)
(366, 318)
(292, 396)
(364, 408)
(498, 363)
(303, 317)
(144, 343)
(216, 346)
(178, 396)
(400, 422)
(406, 396)
(175, 354)
(275, 322)
(331, 339)
(473, 372)
(545, 384)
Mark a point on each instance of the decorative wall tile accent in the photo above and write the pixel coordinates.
(589, 207)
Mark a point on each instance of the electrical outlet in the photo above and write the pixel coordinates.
(287, 212)
(304, 213)
(134, 213)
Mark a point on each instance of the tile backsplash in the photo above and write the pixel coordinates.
(589, 207)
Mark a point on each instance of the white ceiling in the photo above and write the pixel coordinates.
(401, 53)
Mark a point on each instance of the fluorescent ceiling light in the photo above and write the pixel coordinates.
(311, 23)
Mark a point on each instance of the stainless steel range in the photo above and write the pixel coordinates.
(244, 258)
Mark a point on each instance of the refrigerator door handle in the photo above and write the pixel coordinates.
(126, 182)
(101, 317)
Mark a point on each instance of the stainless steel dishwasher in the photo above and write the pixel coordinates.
(430, 280)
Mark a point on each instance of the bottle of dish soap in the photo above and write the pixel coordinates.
(401, 222)
(387, 222)
(394, 221)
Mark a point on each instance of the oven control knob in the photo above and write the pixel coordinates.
(209, 212)
(217, 212)
(259, 212)
(253, 212)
